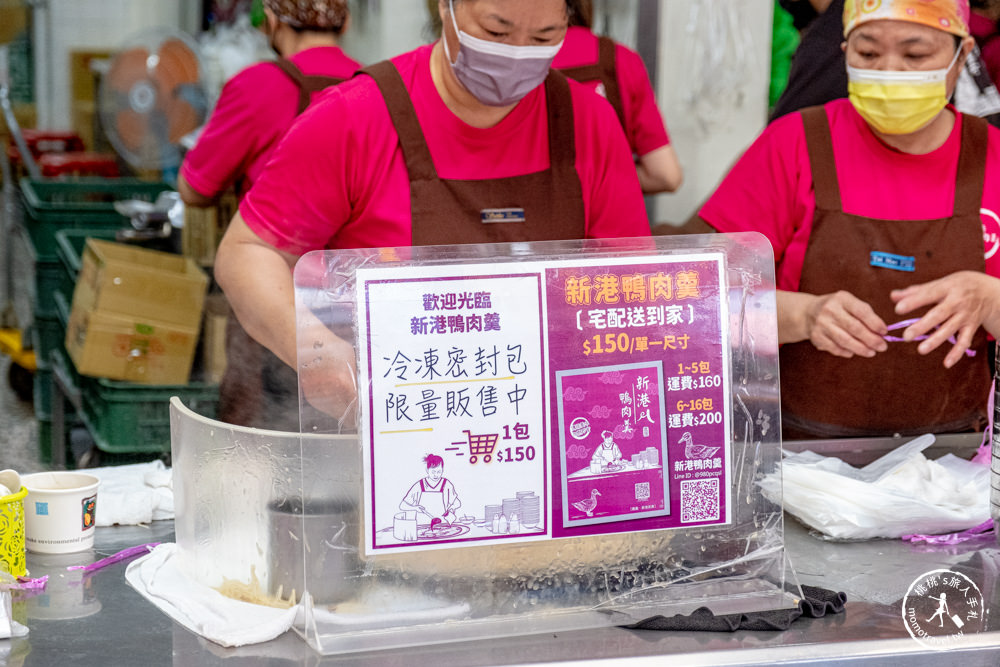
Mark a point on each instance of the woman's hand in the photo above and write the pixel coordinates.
(328, 375)
(959, 304)
(839, 323)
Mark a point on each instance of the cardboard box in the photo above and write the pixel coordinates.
(136, 314)
(213, 339)
(204, 228)
(201, 234)
(141, 283)
(118, 347)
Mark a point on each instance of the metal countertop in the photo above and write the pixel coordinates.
(107, 623)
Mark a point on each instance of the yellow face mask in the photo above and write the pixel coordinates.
(898, 102)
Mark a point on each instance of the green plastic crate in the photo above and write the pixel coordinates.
(48, 278)
(51, 205)
(130, 418)
(42, 394)
(45, 439)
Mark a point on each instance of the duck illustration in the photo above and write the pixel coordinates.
(693, 451)
(588, 505)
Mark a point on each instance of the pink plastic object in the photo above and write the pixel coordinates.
(124, 554)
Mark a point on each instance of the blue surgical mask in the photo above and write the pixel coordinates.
(496, 74)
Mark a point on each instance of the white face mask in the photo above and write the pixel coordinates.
(496, 74)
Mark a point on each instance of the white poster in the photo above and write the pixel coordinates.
(455, 424)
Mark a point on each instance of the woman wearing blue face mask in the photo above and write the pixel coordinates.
(884, 213)
(470, 139)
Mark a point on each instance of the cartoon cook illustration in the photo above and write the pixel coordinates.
(608, 453)
(433, 496)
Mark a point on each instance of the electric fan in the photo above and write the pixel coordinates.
(151, 96)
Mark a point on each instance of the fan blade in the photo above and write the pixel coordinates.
(127, 69)
(131, 127)
(181, 118)
(176, 65)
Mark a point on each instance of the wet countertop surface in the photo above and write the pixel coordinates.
(100, 620)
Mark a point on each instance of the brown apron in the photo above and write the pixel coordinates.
(257, 388)
(546, 205)
(307, 83)
(897, 391)
(603, 70)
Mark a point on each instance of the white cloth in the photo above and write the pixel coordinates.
(203, 610)
(134, 494)
(159, 578)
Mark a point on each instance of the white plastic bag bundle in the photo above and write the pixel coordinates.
(901, 493)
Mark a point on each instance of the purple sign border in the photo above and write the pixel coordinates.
(671, 520)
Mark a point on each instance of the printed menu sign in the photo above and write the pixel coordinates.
(566, 398)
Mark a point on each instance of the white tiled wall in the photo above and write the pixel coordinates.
(61, 26)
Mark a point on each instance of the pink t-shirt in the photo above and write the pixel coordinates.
(338, 179)
(644, 124)
(770, 189)
(254, 110)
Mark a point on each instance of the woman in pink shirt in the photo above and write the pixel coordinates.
(257, 106)
(618, 74)
(427, 149)
(882, 211)
(255, 109)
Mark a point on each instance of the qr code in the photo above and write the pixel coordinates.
(642, 491)
(700, 500)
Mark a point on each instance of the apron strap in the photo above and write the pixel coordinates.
(609, 75)
(307, 83)
(404, 118)
(819, 145)
(603, 70)
(971, 173)
(420, 165)
(562, 135)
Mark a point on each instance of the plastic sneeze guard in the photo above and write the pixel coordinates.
(550, 436)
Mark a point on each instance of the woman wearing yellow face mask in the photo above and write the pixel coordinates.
(878, 207)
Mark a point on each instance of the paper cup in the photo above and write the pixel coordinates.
(59, 511)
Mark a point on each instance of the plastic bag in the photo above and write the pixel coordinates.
(901, 493)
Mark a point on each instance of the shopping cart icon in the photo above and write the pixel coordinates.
(481, 445)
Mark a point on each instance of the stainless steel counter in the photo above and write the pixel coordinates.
(104, 622)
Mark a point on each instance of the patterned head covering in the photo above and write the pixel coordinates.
(947, 15)
(318, 14)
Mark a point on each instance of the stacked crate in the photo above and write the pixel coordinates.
(123, 418)
(48, 207)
